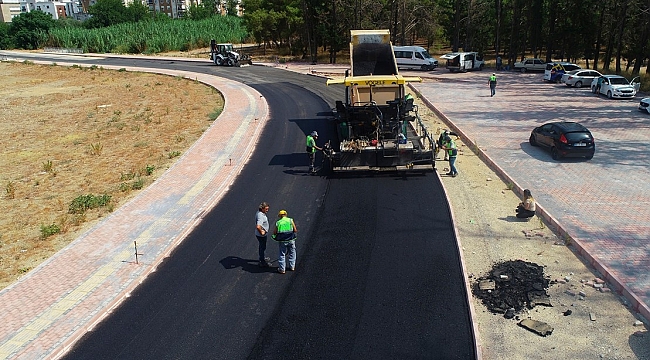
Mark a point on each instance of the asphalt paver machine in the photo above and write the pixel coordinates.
(378, 127)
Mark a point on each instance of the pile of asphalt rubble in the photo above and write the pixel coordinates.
(512, 286)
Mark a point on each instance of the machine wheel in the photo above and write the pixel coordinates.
(230, 62)
(532, 140)
(554, 154)
(218, 61)
(609, 94)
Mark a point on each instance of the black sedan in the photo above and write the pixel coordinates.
(564, 139)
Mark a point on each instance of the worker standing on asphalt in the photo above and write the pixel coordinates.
(493, 84)
(285, 234)
(452, 151)
(311, 150)
(261, 232)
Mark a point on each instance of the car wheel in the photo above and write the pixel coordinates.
(589, 157)
(554, 154)
(424, 68)
(532, 140)
(578, 84)
(480, 68)
(609, 94)
(523, 70)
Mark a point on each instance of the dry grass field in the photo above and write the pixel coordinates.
(77, 143)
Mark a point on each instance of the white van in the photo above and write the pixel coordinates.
(417, 57)
(463, 61)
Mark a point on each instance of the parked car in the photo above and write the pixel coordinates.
(530, 65)
(644, 105)
(564, 139)
(463, 61)
(615, 86)
(555, 70)
(414, 57)
(578, 78)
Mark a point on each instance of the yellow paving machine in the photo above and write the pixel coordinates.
(377, 124)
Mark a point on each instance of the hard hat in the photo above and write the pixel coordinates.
(282, 212)
(494, 74)
(314, 133)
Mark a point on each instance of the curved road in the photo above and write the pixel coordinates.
(378, 272)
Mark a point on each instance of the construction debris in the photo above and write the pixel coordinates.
(513, 285)
(538, 327)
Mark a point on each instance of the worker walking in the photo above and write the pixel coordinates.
(493, 84)
(285, 234)
(311, 151)
(261, 232)
(452, 151)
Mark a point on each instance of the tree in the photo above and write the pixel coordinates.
(106, 13)
(206, 9)
(29, 30)
(6, 41)
(137, 11)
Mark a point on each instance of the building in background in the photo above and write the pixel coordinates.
(9, 9)
(78, 9)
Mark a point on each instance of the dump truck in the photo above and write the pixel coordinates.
(377, 125)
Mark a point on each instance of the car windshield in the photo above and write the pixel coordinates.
(426, 54)
(618, 81)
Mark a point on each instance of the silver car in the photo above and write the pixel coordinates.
(578, 78)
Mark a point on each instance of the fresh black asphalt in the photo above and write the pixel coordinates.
(378, 272)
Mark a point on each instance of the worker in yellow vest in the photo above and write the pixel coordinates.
(285, 234)
(493, 84)
(311, 151)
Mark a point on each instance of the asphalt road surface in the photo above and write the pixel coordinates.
(378, 271)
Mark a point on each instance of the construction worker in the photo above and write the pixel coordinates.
(285, 234)
(452, 151)
(261, 231)
(311, 151)
(493, 84)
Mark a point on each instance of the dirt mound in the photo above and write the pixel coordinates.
(512, 286)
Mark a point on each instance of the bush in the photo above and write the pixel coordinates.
(86, 202)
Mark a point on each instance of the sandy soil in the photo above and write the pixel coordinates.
(67, 133)
(126, 112)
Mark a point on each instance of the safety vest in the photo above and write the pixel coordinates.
(285, 230)
(310, 144)
(493, 79)
(452, 149)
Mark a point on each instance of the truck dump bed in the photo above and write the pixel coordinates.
(371, 53)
